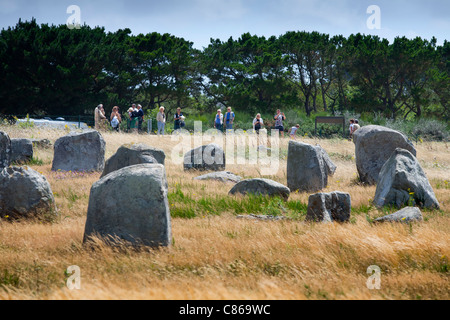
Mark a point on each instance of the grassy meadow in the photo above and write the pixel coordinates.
(214, 255)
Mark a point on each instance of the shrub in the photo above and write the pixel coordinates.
(429, 129)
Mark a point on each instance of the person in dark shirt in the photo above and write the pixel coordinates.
(140, 116)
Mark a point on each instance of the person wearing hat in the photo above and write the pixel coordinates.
(161, 119)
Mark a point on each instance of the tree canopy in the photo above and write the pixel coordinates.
(56, 70)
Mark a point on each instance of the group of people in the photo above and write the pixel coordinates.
(258, 122)
(228, 120)
(161, 120)
(221, 121)
(135, 112)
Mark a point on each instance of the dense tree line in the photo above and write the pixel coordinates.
(54, 70)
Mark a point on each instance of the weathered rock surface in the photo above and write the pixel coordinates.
(403, 180)
(222, 176)
(131, 204)
(79, 152)
(373, 147)
(406, 215)
(24, 192)
(308, 167)
(21, 150)
(209, 157)
(5, 150)
(132, 154)
(328, 207)
(265, 187)
(329, 165)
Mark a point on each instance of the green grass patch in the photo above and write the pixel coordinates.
(184, 206)
(34, 161)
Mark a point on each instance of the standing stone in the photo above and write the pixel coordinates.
(24, 192)
(329, 165)
(79, 152)
(402, 180)
(263, 187)
(373, 147)
(131, 204)
(328, 207)
(306, 167)
(5, 150)
(208, 157)
(21, 150)
(132, 154)
(406, 215)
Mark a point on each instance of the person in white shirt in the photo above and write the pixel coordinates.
(294, 131)
(258, 123)
(161, 119)
(218, 121)
(350, 129)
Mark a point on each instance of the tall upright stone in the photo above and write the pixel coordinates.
(131, 204)
(307, 167)
(373, 147)
(21, 150)
(79, 152)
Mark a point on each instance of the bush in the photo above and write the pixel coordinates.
(425, 129)
(429, 129)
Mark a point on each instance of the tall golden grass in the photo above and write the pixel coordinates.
(221, 257)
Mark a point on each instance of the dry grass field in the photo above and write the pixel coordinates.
(214, 255)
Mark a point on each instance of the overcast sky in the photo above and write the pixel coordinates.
(200, 20)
